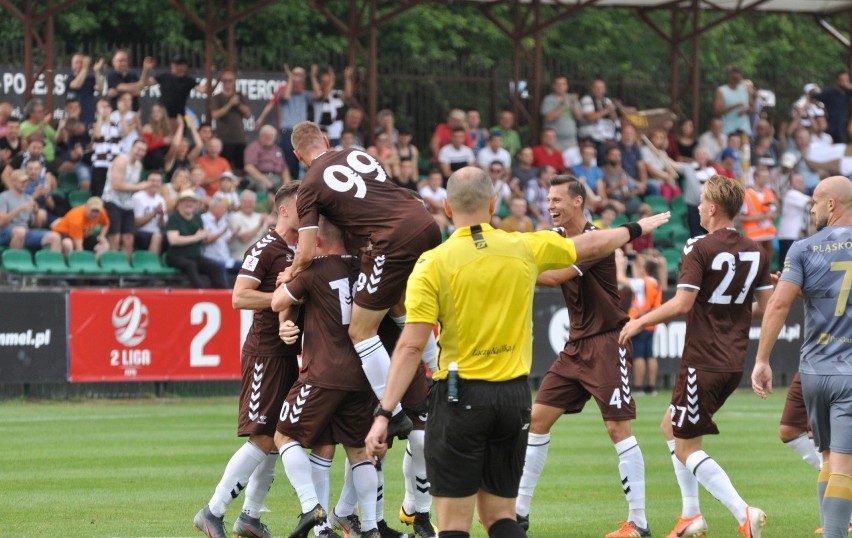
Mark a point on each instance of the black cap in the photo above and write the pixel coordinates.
(179, 59)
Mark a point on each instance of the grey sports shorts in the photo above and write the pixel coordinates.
(828, 399)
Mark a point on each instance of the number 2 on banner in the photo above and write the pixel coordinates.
(204, 313)
(353, 173)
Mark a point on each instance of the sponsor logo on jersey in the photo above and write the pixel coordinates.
(250, 263)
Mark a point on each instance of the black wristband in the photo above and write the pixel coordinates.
(634, 228)
(382, 412)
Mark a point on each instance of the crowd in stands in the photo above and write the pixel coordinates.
(195, 193)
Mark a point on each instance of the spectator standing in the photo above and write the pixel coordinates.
(329, 102)
(149, 214)
(186, 235)
(836, 102)
(291, 101)
(404, 148)
(182, 155)
(77, 228)
(601, 118)
(229, 108)
(176, 85)
(124, 179)
(806, 107)
(794, 216)
(588, 170)
(105, 138)
(72, 140)
(121, 79)
(443, 134)
(733, 103)
(524, 169)
(560, 111)
(85, 80)
(536, 196)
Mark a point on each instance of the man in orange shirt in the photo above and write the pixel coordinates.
(78, 225)
(214, 165)
(759, 210)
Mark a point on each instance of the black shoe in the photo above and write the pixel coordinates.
(399, 426)
(423, 526)
(387, 532)
(308, 521)
(523, 521)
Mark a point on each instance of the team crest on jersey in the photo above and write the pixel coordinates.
(250, 263)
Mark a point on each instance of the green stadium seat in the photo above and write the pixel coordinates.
(658, 203)
(78, 198)
(48, 261)
(619, 220)
(678, 206)
(66, 183)
(84, 262)
(672, 256)
(116, 262)
(148, 262)
(18, 261)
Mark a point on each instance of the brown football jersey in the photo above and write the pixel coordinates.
(352, 190)
(262, 262)
(725, 269)
(329, 359)
(594, 306)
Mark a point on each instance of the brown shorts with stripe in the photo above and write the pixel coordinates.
(794, 413)
(384, 275)
(697, 395)
(265, 384)
(597, 367)
(316, 416)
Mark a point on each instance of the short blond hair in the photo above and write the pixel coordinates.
(725, 193)
(307, 135)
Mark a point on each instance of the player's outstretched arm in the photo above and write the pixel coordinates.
(678, 305)
(598, 243)
(773, 319)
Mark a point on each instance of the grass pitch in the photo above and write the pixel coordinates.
(143, 468)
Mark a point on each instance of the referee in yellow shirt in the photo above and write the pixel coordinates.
(479, 287)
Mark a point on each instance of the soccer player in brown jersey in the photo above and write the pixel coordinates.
(269, 369)
(593, 364)
(721, 273)
(331, 402)
(393, 228)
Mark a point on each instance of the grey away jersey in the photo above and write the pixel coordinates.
(822, 266)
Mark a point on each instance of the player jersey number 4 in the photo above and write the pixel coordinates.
(345, 178)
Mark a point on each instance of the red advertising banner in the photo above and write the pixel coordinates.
(154, 335)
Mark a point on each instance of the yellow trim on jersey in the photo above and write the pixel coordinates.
(479, 287)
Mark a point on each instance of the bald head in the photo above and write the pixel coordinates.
(832, 205)
(469, 190)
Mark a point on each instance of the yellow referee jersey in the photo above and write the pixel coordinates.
(479, 286)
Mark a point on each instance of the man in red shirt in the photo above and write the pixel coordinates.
(547, 154)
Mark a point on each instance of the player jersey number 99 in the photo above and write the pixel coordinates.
(344, 178)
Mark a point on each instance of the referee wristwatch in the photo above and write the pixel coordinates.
(381, 412)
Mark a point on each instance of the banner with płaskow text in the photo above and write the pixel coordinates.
(154, 335)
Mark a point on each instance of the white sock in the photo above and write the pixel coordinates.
(422, 497)
(716, 481)
(805, 448)
(408, 479)
(688, 485)
(380, 492)
(537, 446)
(259, 484)
(298, 469)
(240, 467)
(631, 466)
(375, 362)
(321, 476)
(366, 481)
(348, 496)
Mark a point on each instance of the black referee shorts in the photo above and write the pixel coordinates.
(480, 441)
